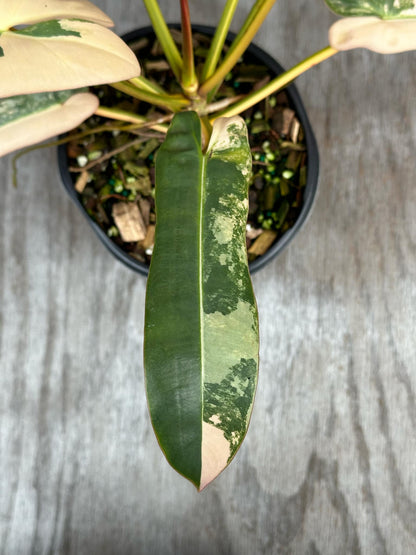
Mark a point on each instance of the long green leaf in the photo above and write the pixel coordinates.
(386, 9)
(201, 329)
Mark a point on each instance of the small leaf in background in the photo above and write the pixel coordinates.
(29, 119)
(385, 9)
(382, 36)
(201, 328)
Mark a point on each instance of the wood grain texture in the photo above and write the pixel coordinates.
(329, 463)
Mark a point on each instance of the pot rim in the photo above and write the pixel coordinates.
(311, 186)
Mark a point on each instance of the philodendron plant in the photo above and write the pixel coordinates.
(201, 325)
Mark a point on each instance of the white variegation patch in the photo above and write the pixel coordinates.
(226, 134)
(223, 228)
(230, 134)
(215, 419)
(227, 339)
(224, 259)
(215, 453)
(378, 35)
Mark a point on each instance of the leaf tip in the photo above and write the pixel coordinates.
(215, 454)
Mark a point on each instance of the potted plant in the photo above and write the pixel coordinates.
(201, 329)
(283, 182)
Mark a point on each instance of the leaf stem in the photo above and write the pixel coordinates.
(173, 103)
(250, 27)
(277, 83)
(124, 115)
(219, 105)
(218, 41)
(189, 81)
(147, 85)
(165, 38)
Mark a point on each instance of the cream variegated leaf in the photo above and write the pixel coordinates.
(382, 36)
(28, 12)
(25, 121)
(64, 54)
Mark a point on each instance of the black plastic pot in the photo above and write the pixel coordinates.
(312, 174)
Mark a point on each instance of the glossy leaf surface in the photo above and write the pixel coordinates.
(201, 329)
(29, 119)
(386, 9)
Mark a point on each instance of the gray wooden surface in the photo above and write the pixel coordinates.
(329, 463)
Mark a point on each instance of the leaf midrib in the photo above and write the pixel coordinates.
(203, 173)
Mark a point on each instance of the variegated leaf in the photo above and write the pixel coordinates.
(61, 54)
(201, 329)
(28, 12)
(385, 9)
(384, 37)
(29, 119)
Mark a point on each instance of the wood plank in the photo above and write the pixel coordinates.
(328, 465)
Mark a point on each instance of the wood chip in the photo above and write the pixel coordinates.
(295, 130)
(282, 99)
(157, 65)
(81, 181)
(73, 150)
(293, 160)
(263, 242)
(149, 240)
(282, 120)
(129, 221)
(102, 216)
(176, 35)
(259, 84)
(144, 206)
(139, 44)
